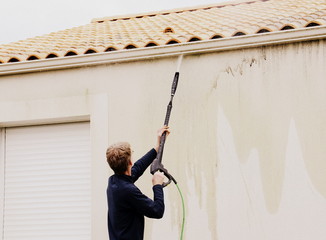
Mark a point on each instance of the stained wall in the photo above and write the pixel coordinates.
(247, 141)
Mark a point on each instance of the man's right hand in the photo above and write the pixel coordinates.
(158, 178)
(159, 135)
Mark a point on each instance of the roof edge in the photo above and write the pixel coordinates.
(224, 44)
(175, 10)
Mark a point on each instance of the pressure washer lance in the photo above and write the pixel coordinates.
(157, 163)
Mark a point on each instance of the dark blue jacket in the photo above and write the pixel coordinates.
(128, 206)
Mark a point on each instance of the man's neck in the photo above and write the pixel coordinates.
(128, 172)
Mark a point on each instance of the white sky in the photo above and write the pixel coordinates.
(21, 19)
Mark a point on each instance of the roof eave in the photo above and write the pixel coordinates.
(232, 43)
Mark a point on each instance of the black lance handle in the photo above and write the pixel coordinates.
(175, 83)
(157, 163)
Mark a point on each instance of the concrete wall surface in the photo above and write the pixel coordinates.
(247, 142)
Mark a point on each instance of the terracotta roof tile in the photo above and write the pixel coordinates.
(222, 20)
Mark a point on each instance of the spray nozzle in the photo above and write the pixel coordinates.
(175, 83)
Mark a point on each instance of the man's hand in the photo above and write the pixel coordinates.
(158, 178)
(159, 135)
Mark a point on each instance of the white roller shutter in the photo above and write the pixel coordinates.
(47, 183)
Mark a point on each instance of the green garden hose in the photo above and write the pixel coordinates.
(183, 213)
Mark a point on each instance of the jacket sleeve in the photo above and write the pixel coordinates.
(140, 166)
(146, 206)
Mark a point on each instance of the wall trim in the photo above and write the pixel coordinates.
(2, 178)
(224, 44)
(45, 121)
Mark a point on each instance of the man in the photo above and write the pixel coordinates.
(127, 204)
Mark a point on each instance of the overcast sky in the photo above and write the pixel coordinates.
(21, 19)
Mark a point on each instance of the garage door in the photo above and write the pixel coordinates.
(47, 182)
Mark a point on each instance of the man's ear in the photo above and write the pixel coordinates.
(130, 163)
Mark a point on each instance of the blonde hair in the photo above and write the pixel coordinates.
(118, 156)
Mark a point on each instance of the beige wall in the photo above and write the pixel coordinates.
(248, 128)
